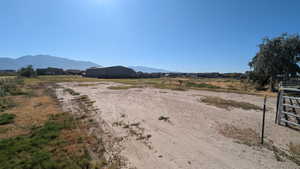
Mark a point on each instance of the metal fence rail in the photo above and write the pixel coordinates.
(289, 84)
(288, 107)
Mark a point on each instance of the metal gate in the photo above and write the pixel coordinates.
(288, 107)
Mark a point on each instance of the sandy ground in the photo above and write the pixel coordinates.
(190, 138)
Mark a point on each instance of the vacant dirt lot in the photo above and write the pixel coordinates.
(167, 129)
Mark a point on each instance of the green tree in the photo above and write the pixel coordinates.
(27, 72)
(277, 56)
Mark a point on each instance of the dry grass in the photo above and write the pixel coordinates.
(295, 150)
(30, 111)
(246, 136)
(181, 84)
(59, 78)
(121, 87)
(87, 84)
(66, 141)
(250, 137)
(227, 104)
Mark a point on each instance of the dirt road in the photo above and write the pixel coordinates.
(165, 129)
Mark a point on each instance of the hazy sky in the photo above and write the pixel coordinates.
(178, 35)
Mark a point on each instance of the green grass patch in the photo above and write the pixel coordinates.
(29, 151)
(226, 104)
(7, 118)
(42, 149)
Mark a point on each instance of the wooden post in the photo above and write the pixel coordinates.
(263, 121)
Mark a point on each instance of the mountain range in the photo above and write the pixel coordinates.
(45, 61)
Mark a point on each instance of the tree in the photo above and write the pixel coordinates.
(27, 72)
(276, 57)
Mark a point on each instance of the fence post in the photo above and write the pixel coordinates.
(263, 121)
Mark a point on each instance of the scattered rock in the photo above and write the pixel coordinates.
(126, 126)
(164, 118)
(135, 124)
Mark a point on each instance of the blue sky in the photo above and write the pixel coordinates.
(178, 35)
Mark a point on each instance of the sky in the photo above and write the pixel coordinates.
(177, 35)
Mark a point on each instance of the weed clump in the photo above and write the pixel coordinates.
(11, 87)
(6, 104)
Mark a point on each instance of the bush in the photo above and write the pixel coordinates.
(7, 118)
(27, 72)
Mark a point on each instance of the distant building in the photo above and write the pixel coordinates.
(50, 71)
(7, 72)
(73, 72)
(111, 72)
(148, 75)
